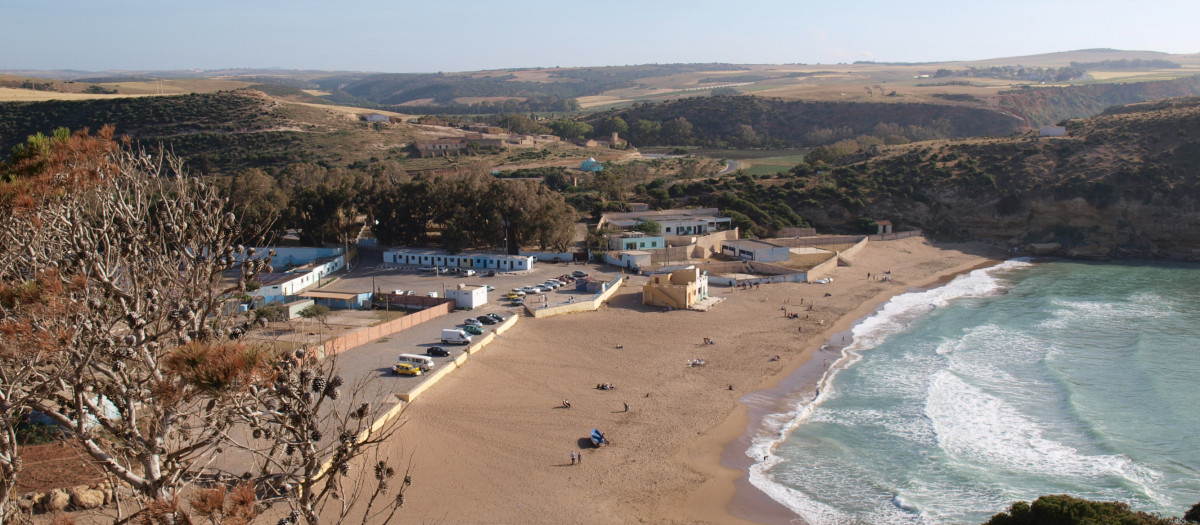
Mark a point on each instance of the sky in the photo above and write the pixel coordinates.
(468, 35)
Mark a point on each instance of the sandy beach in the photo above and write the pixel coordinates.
(491, 443)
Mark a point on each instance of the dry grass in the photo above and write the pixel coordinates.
(476, 100)
(176, 86)
(29, 95)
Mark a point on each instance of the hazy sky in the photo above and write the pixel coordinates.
(448, 35)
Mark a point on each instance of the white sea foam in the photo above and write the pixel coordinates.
(895, 316)
(977, 428)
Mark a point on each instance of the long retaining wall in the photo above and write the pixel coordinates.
(432, 378)
(853, 250)
(363, 336)
(581, 306)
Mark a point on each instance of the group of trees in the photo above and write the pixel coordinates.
(473, 209)
(758, 122)
(117, 273)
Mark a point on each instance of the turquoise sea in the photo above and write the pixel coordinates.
(1016, 381)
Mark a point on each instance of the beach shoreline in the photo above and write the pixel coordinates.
(750, 503)
(490, 443)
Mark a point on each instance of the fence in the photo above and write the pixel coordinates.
(548, 310)
(823, 240)
(672, 254)
(412, 302)
(897, 235)
(363, 336)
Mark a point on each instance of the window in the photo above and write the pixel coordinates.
(668, 229)
(654, 244)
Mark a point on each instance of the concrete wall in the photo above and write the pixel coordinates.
(365, 335)
(823, 269)
(850, 252)
(822, 240)
(897, 235)
(293, 308)
(581, 306)
(445, 370)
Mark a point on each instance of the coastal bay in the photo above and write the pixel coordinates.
(491, 443)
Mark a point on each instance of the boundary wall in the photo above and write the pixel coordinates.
(363, 336)
(430, 380)
(458, 362)
(897, 235)
(579, 306)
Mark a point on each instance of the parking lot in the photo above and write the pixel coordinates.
(376, 358)
(368, 275)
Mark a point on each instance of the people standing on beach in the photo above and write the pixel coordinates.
(626, 406)
(580, 457)
(572, 457)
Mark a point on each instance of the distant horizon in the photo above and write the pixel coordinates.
(881, 62)
(386, 37)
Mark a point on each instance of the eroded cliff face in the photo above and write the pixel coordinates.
(1072, 228)
(1124, 185)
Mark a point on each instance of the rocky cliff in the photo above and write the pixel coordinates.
(1121, 185)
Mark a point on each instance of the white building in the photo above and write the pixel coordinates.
(629, 258)
(468, 295)
(751, 250)
(696, 221)
(486, 261)
(284, 286)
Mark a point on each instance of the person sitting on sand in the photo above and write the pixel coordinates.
(566, 404)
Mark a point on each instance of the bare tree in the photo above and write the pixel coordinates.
(118, 273)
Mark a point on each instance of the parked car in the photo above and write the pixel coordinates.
(427, 269)
(431, 294)
(579, 274)
(468, 273)
(472, 329)
(485, 319)
(491, 273)
(495, 317)
(411, 292)
(530, 289)
(517, 301)
(472, 320)
(554, 284)
(406, 369)
(490, 288)
(437, 351)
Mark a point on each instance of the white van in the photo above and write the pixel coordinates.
(455, 336)
(468, 273)
(425, 362)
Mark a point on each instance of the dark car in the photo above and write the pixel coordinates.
(437, 351)
(486, 320)
(579, 274)
(495, 317)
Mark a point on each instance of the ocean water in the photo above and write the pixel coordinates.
(1012, 382)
